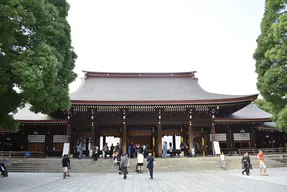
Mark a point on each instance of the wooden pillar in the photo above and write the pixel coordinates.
(203, 142)
(153, 142)
(92, 134)
(124, 133)
(252, 138)
(173, 142)
(159, 136)
(183, 134)
(97, 136)
(69, 130)
(272, 139)
(104, 141)
(190, 132)
(213, 137)
(230, 137)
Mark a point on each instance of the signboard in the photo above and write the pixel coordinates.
(216, 148)
(66, 149)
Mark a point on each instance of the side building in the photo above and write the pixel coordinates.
(142, 108)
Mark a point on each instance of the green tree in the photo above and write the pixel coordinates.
(36, 57)
(263, 104)
(271, 59)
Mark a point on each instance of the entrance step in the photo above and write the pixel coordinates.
(53, 165)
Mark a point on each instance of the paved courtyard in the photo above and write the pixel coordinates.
(178, 182)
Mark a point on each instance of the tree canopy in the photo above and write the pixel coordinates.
(271, 59)
(36, 57)
(263, 104)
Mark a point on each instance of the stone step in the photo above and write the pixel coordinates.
(105, 165)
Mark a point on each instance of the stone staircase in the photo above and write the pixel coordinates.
(53, 165)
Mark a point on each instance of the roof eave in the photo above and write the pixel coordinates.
(243, 120)
(248, 98)
(43, 121)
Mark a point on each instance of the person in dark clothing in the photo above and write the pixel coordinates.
(3, 170)
(96, 153)
(246, 164)
(150, 165)
(112, 148)
(65, 164)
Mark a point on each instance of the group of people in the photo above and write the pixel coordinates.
(124, 164)
(246, 164)
(134, 149)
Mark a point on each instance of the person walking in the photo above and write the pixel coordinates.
(150, 165)
(124, 165)
(262, 165)
(65, 165)
(246, 164)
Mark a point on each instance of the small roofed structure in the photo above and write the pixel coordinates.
(24, 115)
(250, 113)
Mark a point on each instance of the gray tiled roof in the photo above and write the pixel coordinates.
(251, 111)
(270, 124)
(144, 89)
(25, 114)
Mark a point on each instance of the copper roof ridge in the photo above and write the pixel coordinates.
(139, 74)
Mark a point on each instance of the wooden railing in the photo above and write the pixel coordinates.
(7, 155)
(266, 151)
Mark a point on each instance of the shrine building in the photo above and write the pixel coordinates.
(142, 108)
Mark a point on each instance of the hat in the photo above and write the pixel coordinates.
(149, 154)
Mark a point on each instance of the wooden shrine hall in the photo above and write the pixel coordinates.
(141, 108)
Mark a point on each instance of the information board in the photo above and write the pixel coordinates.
(66, 149)
(216, 148)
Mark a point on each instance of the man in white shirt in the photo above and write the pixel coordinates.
(140, 162)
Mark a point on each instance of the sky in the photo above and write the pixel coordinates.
(216, 38)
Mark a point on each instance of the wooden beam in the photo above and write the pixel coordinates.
(190, 136)
(124, 138)
(159, 140)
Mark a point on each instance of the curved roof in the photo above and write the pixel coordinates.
(249, 113)
(24, 115)
(148, 88)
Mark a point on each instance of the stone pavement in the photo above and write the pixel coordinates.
(166, 182)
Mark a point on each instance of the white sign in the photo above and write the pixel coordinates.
(66, 149)
(216, 148)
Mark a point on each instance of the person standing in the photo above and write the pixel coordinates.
(262, 165)
(112, 148)
(80, 150)
(150, 165)
(170, 149)
(222, 161)
(164, 150)
(124, 165)
(96, 153)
